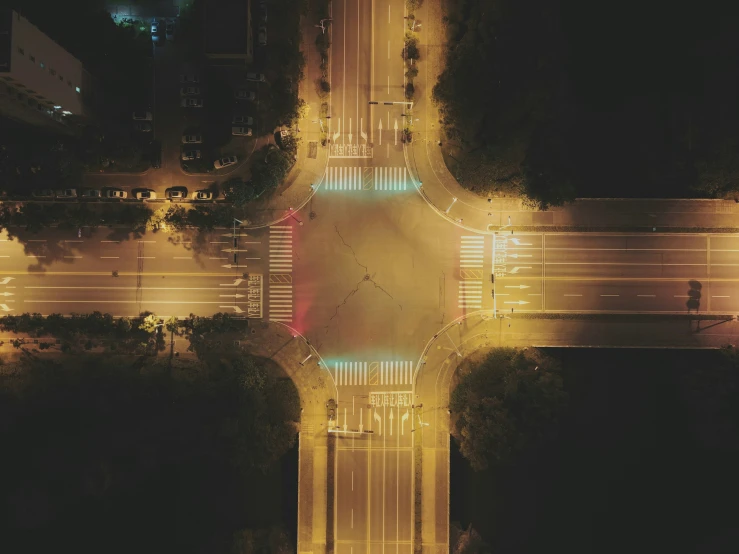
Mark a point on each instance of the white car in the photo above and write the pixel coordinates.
(241, 131)
(66, 193)
(187, 79)
(242, 120)
(242, 94)
(43, 193)
(142, 116)
(91, 193)
(146, 195)
(190, 91)
(115, 193)
(192, 139)
(191, 155)
(191, 103)
(177, 193)
(202, 195)
(225, 162)
(257, 77)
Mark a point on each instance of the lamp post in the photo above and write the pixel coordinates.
(295, 218)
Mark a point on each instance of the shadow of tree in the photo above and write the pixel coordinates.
(694, 295)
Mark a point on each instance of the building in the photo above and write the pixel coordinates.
(227, 33)
(40, 82)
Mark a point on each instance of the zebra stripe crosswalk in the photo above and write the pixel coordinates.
(372, 373)
(366, 178)
(470, 269)
(280, 268)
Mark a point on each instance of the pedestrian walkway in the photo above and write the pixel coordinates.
(280, 273)
(471, 261)
(372, 373)
(366, 178)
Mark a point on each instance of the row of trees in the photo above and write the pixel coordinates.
(271, 166)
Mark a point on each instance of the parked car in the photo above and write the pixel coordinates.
(191, 103)
(177, 193)
(145, 195)
(188, 79)
(66, 193)
(91, 193)
(225, 162)
(170, 30)
(242, 94)
(256, 77)
(115, 193)
(242, 120)
(262, 36)
(142, 116)
(202, 195)
(190, 91)
(142, 126)
(192, 139)
(43, 193)
(241, 131)
(191, 155)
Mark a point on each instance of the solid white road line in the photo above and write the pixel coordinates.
(719, 297)
(646, 295)
(109, 257)
(573, 294)
(609, 295)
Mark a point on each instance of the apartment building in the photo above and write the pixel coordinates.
(40, 82)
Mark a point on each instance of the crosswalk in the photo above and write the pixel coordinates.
(366, 178)
(280, 273)
(372, 373)
(471, 271)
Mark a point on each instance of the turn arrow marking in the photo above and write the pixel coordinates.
(391, 422)
(515, 269)
(378, 419)
(231, 295)
(517, 287)
(517, 242)
(519, 302)
(402, 422)
(236, 283)
(520, 255)
(6, 280)
(235, 309)
(380, 131)
(4, 307)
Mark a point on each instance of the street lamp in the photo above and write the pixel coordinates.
(322, 26)
(295, 218)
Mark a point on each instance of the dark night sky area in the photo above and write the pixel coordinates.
(646, 462)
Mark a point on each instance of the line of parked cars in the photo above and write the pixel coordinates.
(174, 193)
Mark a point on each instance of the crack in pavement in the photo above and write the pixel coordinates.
(350, 248)
(354, 291)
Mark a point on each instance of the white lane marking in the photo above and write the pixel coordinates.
(646, 295)
(34, 256)
(719, 297)
(113, 241)
(183, 257)
(73, 257)
(220, 242)
(74, 241)
(609, 295)
(109, 257)
(145, 257)
(681, 296)
(224, 258)
(573, 294)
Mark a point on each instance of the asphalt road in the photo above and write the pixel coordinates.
(57, 271)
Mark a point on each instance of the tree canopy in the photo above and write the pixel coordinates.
(511, 400)
(114, 455)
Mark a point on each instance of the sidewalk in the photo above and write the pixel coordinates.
(296, 191)
(440, 189)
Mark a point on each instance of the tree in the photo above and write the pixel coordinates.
(238, 192)
(508, 402)
(150, 323)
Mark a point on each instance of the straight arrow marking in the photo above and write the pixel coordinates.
(236, 283)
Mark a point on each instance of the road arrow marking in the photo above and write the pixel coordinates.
(391, 422)
(231, 295)
(231, 266)
(232, 250)
(233, 236)
(235, 308)
(236, 283)
(517, 242)
(7, 294)
(4, 307)
(380, 131)
(520, 255)
(519, 302)
(361, 427)
(337, 133)
(350, 130)
(379, 421)
(396, 132)
(402, 422)
(515, 269)
(517, 287)
(361, 129)
(345, 420)
(6, 280)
